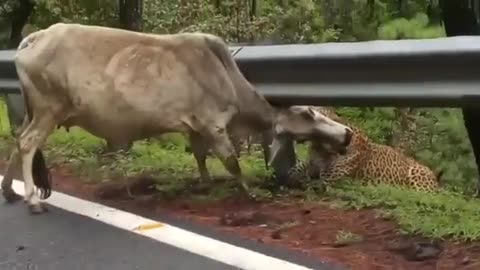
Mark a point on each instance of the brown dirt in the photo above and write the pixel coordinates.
(309, 229)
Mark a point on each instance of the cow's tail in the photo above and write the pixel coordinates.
(40, 172)
(41, 175)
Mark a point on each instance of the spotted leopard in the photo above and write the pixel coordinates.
(365, 160)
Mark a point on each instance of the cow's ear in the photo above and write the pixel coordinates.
(275, 148)
(280, 143)
(308, 114)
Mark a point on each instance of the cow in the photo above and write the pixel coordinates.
(125, 86)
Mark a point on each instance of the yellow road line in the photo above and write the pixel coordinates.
(149, 226)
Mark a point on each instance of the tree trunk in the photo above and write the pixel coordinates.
(460, 18)
(130, 14)
(402, 7)
(217, 4)
(253, 9)
(371, 9)
(19, 18)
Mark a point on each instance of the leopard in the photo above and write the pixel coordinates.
(365, 160)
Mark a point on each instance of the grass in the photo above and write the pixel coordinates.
(441, 215)
(444, 215)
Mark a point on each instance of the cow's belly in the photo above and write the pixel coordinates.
(125, 127)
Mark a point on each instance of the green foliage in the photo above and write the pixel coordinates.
(98, 12)
(416, 28)
(299, 22)
(376, 122)
(444, 145)
(302, 21)
(4, 123)
(6, 9)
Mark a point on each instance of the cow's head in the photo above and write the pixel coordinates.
(304, 123)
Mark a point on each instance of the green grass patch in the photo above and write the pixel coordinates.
(445, 214)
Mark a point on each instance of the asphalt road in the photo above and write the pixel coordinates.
(61, 240)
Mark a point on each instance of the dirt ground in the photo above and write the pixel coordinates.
(310, 229)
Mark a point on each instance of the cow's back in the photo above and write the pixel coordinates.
(114, 82)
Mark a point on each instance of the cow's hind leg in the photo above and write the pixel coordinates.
(199, 147)
(28, 143)
(12, 166)
(7, 190)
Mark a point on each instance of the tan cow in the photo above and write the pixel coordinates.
(125, 86)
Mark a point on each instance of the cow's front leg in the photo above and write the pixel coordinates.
(200, 149)
(224, 150)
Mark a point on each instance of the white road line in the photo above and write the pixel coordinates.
(162, 232)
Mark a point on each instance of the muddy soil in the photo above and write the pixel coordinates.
(359, 240)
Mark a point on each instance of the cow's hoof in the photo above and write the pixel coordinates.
(36, 209)
(247, 191)
(10, 196)
(252, 196)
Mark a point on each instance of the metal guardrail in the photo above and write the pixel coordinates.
(9, 86)
(443, 72)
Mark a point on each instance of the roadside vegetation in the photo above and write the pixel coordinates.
(436, 137)
(451, 213)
